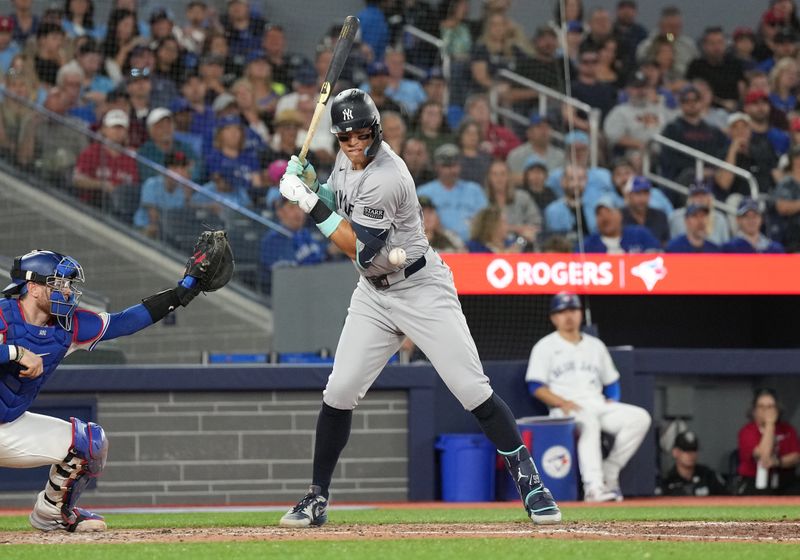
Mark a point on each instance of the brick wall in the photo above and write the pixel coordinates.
(240, 447)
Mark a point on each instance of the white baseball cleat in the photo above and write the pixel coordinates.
(310, 511)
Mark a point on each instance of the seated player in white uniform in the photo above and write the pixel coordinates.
(573, 374)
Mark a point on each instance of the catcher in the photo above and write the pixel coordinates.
(40, 324)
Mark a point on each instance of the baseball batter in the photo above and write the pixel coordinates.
(368, 208)
(573, 374)
(40, 324)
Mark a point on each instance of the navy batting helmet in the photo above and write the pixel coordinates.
(352, 109)
(58, 272)
(563, 301)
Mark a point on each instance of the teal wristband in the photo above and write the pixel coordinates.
(330, 224)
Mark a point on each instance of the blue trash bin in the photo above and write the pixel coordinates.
(467, 467)
(551, 442)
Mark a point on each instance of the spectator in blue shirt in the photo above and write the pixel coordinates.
(26, 24)
(750, 239)
(576, 151)
(614, 238)
(161, 193)
(374, 28)
(230, 158)
(408, 93)
(639, 210)
(456, 200)
(695, 239)
(243, 27)
(570, 212)
(277, 250)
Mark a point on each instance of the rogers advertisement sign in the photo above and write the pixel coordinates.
(635, 274)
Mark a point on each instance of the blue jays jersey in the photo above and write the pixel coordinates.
(51, 342)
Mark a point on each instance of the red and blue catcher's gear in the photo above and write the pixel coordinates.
(60, 273)
(86, 460)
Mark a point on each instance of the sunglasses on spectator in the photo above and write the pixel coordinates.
(345, 137)
(137, 73)
(690, 100)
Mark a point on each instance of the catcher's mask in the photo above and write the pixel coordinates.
(62, 274)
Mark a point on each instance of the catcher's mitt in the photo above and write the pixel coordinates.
(211, 261)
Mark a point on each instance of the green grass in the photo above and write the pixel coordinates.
(415, 548)
(443, 515)
(408, 549)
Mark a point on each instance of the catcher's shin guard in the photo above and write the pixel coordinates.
(84, 461)
(538, 502)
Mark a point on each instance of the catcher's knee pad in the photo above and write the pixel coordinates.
(85, 460)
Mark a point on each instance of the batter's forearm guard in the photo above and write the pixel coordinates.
(326, 195)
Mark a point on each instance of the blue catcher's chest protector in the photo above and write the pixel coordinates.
(50, 342)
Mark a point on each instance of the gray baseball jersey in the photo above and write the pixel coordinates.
(382, 196)
(423, 306)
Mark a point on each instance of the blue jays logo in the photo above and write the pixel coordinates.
(557, 461)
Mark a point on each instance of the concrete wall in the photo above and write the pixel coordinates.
(241, 447)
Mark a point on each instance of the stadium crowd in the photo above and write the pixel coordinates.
(219, 99)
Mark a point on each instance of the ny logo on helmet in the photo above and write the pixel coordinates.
(347, 114)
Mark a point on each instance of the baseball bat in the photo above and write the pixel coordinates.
(340, 53)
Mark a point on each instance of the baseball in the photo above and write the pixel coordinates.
(397, 256)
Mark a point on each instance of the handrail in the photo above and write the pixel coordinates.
(546, 93)
(439, 44)
(63, 121)
(701, 157)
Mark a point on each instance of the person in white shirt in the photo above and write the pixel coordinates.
(573, 374)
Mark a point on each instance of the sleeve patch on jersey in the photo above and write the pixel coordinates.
(373, 213)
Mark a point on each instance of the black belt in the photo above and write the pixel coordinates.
(385, 280)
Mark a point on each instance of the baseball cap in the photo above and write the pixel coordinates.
(538, 118)
(743, 31)
(377, 69)
(138, 74)
(434, 73)
(176, 158)
(756, 95)
(640, 184)
(222, 101)
(576, 137)
(563, 301)
(693, 209)
(158, 14)
(305, 76)
(688, 90)
(772, 17)
(739, 116)
(746, 205)
(607, 202)
(446, 153)
(686, 441)
(275, 171)
(228, 120)
(257, 54)
(536, 161)
(157, 115)
(6, 24)
(638, 79)
(699, 188)
(116, 117)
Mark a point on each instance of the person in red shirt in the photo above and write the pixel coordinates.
(500, 138)
(105, 177)
(768, 442)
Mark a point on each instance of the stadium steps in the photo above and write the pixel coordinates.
(125, 270)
